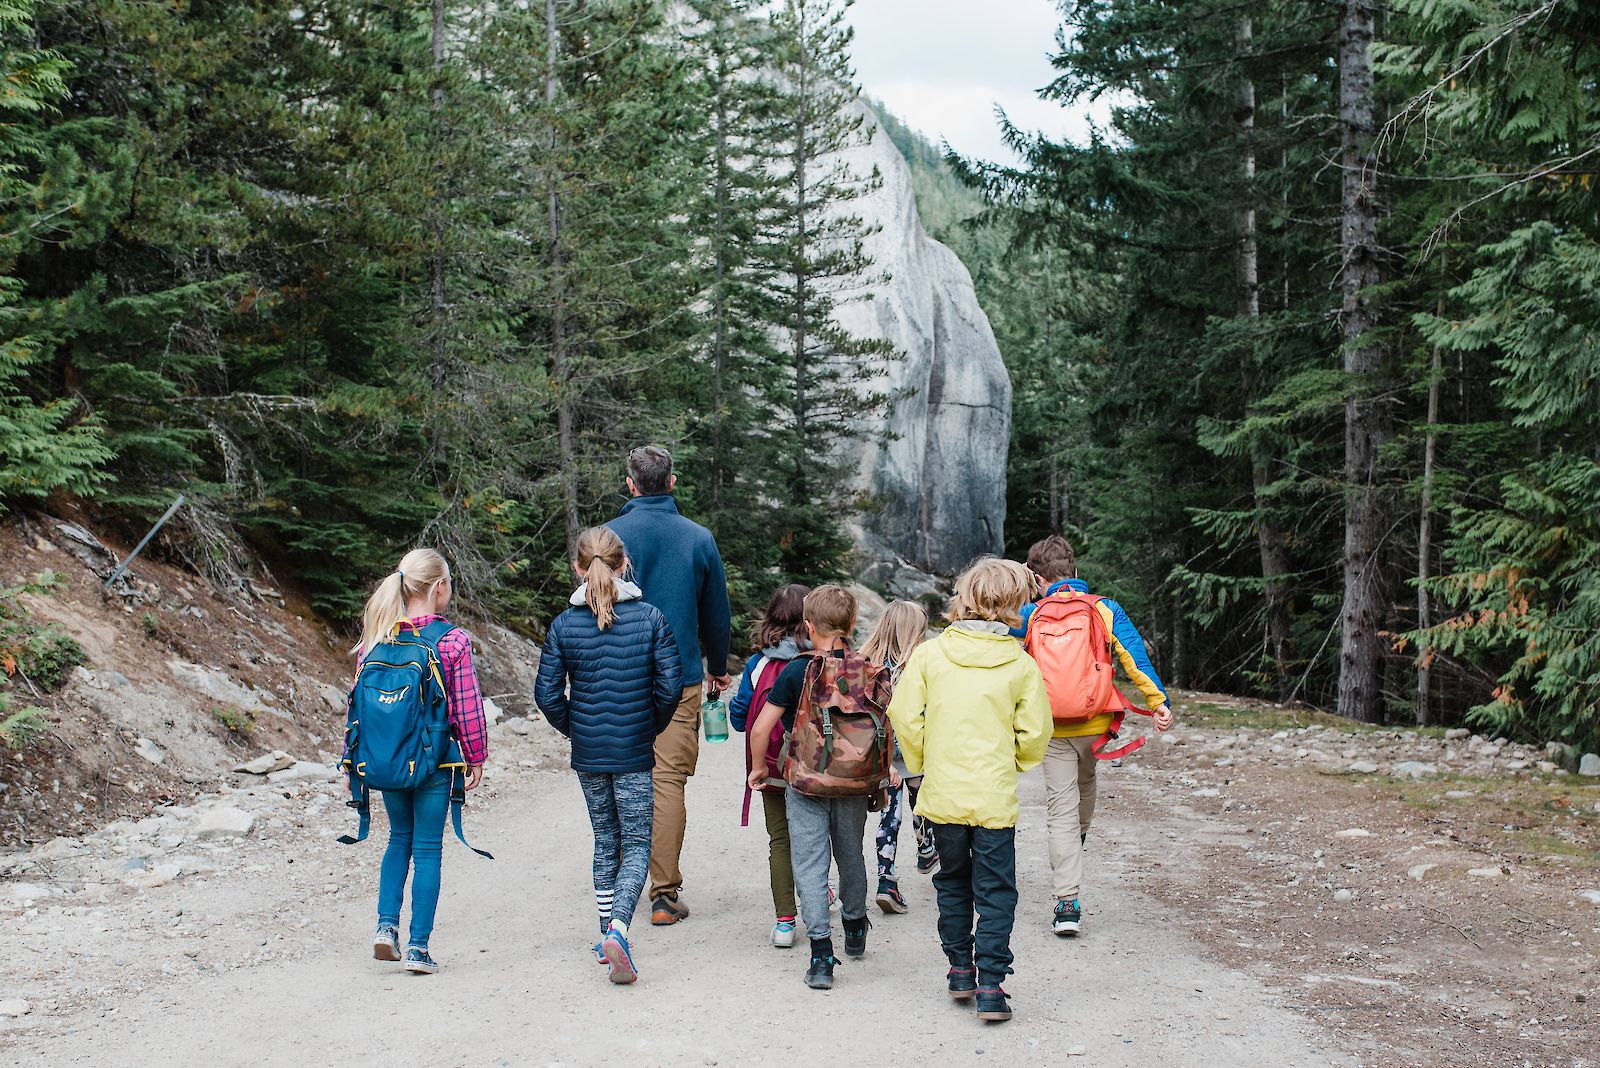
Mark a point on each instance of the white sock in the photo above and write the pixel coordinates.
(619, 927)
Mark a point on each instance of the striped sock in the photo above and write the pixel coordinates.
(602, 903)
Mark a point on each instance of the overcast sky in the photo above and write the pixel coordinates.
(943, 65)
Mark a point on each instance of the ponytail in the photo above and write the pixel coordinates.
(602, 558)
(420, 571)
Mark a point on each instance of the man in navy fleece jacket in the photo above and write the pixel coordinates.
(677, 565)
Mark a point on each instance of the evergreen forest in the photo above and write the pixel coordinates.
(1304, 340)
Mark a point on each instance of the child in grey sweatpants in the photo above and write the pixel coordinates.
(822, 830)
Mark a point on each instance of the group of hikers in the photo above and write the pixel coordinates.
(1022, 675)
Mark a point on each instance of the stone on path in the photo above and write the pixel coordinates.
(25, 893)
(1485, 873)
(1414, 769)
(492, 711)
(15, 1007)
(276, 760)
(1590, 895)
(1364, 767)
(302, 771)
(160, 875)
(150, 751)
(1456, 734)
(519, 725)
(224, 821)
(1589, 765)
(1418, 871)
(1343, 895)
(1353, 832)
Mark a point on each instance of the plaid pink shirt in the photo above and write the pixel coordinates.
(461, 690)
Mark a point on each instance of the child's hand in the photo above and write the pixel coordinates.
(758, 777)
(1163, 718)
(894, 777)
(474, 776)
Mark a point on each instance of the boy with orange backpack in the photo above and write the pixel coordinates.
(836, 764)
(1073, 635)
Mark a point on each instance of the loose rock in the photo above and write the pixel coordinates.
(519, 726)
(150, 751)
(224, 821)
(1456, 734)
(266, 764)
(1353, 832)
(1364, 767)
(1414, 769)
(1590, 895)
(1484, 873)
(15, 1007)
(1419, 871)
(1590, 765)
(301, 771)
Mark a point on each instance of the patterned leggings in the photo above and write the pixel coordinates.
(620, 810)
(889, 828)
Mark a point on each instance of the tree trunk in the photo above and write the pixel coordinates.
(559, 355)
(1361, 645)
(436, 303)
(801, 273)
(1274, 558)
(719, 293)
(1055, 494)
(1425, 537)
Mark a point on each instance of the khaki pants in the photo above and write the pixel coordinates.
(677, 751)
(1069, 770)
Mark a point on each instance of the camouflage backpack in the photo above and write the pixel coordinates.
(841, 744)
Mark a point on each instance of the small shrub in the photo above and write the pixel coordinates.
(237, 721)
(48, 656)
(152, 625)
(22, 728)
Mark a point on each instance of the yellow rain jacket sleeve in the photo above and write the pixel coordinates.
(971, 713)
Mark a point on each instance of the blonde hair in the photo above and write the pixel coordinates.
(992, 589)
(831, 609)
(903, 627)
(419, 573)
(602, 558)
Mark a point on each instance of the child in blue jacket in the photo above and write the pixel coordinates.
(620, 659)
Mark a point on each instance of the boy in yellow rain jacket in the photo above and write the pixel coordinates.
(971, 714)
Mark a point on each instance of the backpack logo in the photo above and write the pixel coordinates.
(390, 697)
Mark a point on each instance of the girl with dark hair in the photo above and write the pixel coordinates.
(780, 637)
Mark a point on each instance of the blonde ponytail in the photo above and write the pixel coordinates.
(602, 558)
(903, 627)
(420, 571)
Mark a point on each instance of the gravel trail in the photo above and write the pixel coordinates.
(266, 961)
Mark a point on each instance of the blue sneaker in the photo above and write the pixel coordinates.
(386, 942)
(417, 960)
(615, 950)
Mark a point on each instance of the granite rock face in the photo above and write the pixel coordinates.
(939, 482)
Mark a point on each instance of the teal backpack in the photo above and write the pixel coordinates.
(397, 725)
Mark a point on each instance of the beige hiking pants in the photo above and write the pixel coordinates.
(677, 752)
(1069, 770)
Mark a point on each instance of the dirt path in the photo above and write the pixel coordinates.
(266, 961)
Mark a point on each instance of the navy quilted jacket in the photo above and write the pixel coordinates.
(626, 681)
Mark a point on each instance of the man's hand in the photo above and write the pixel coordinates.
(721, 683)
(474, 776)
(1163, 718)
(758, 777)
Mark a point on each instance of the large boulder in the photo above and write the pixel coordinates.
(939, 480)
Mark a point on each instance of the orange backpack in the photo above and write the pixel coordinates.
(1068, 640)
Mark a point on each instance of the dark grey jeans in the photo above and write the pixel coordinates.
(822, 831)
(977, 873)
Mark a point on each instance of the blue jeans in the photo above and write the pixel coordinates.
(621, 811)
(416, 837)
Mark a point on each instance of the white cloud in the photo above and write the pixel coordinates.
(942, 66)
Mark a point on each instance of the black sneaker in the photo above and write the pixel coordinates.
(889, 897)
(993, 1004)
(855, 938)
(1068, 919)
(927, 858)
(820, 975)
(963, 983)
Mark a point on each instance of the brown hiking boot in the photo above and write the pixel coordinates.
(667, 910)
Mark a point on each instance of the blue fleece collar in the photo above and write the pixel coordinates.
(1077, 585)
(658, 502)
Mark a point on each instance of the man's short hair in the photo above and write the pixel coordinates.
(650, 467)
(831, 609)
(1052, 559)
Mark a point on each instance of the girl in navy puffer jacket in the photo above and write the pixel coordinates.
(620, 660)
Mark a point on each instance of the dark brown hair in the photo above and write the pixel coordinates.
(1052, 559)
(784, 618)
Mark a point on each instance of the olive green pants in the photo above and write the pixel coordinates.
(778, 858)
